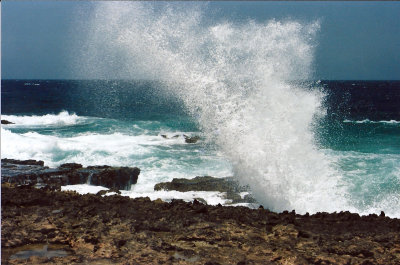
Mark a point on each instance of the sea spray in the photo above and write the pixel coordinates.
(238, 81)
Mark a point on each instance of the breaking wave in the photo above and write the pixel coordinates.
(369, 121)
(64, 118)
(238, 81)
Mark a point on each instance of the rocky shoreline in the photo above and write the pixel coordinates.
(229, 186)
(34, 173)
(42, 225)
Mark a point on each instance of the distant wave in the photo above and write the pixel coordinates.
(63, 118)
(369, 121)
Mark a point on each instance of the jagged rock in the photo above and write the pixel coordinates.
(201, 183)
(22, 162)
(199, 200)
(188, 139)
(119, 178)
(6, 122)
(98, 167)
(207, 183)
(191, 140)
(32, 172)
(104, 192)
(71, 166)
(175, 136)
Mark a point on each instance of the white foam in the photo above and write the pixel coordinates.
(84, 189)
(243, 194)
(88, 149)
(369, 121)
(159, 159)
(390, 204)
(211, 197)
(373, 179)
(64, 118)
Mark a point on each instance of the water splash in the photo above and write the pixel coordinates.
(237, 80)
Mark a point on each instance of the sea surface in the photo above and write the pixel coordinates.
(141, 123)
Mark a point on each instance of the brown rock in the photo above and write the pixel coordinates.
(119, 230)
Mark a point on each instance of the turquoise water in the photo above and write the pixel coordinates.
(368, 156)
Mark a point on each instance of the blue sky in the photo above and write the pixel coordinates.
(357, 40)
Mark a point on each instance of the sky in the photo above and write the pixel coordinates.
(357, 40)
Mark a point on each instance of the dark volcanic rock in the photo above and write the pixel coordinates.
(119, 178)
(6, 122)
(71, 166)
(188, 139)
(207, 183)
(104, 192)
(31, 172)
(22, 162)
(98, 167)
(191, 140)
(119, 230)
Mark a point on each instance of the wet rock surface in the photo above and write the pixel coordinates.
(119, 230)
(206, 183)
(188, 139)
(6, 122)
(191, 139)
(34, 173)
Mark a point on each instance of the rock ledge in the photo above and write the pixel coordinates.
(34, 173)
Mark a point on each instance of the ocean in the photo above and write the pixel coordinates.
(241, 85)
(343, 155)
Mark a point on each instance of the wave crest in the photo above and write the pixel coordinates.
(64, 118)
(366, 121)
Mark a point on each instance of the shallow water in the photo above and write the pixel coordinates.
(38, 250)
